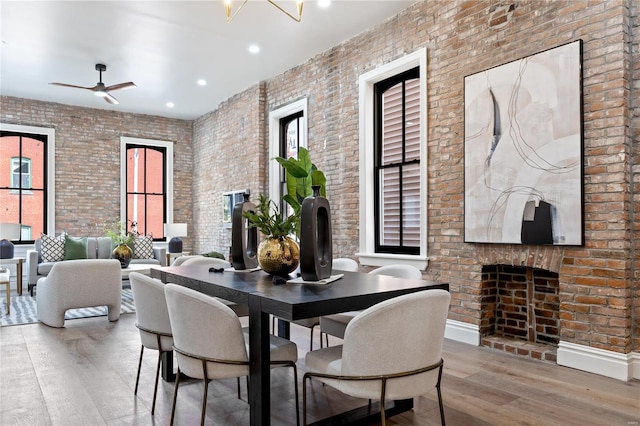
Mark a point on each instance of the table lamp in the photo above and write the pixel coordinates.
(8, 232)
(175, 231)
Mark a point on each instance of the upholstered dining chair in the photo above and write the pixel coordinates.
(392, 350)
(340, 264)
(241, 309)
(219, 349)
(152, 320)
(336, 324)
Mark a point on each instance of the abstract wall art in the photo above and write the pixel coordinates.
(523, 150)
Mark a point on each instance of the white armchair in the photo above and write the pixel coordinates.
(79, 284)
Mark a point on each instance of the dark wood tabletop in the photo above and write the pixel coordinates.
(354, 291)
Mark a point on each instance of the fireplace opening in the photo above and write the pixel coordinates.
(520, 311)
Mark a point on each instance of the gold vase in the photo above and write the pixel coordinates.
(278, 255)
(123, 253)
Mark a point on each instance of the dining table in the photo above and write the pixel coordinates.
(268, 295)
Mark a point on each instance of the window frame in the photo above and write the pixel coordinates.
(368, 255)
(29, 175)
(276, 171)
(49, 205)
(380, 88)
(125, 143)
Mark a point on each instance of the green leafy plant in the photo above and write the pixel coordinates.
(119, 234)
(268, 219)
(301, 175)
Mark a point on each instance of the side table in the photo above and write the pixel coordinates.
(18, 261)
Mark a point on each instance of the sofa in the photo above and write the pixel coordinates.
(70, 248)
(81, 283)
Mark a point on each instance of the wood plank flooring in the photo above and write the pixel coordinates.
(84, 374)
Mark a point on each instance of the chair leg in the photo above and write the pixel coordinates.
(238, 385)
(175, 397)
(135, 391)
(155, 387)
(382, 395)
(206, 389)
(304, 400)
(295, 383)
(311, 339)
(440, 396)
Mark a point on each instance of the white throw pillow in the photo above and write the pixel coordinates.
(143, 247)
(52, 247)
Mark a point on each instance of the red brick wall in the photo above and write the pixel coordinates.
(634, 137)
(463, 38)
(88, 159)
(229, 154)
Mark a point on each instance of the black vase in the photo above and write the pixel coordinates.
(244, 239)
(316, 251)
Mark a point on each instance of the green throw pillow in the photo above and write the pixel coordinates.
(75, 248)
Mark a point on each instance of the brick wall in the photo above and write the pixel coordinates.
(88, 159)
(462, 38)
(229, 154)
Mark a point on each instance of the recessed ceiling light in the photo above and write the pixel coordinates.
(169, 104)
(202, 82)
(324, 3)
(254, 48)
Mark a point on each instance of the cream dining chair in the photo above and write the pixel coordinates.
(336, 324)
(392, 350)
(241, 309)
(152, 320)
(219, 349)
(339, 264)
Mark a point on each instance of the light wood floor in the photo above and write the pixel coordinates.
(84, 374)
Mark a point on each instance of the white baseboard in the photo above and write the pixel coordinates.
(462, 332)
(599, 361)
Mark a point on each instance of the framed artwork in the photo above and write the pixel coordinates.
(523, 150)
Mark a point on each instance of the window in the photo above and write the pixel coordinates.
(288, 131)
(393, 159)
(146, 194)
(290, 136)
(230, 199)
(21, 172)
(26, 179)
(397, 163)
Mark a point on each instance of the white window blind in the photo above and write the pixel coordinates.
(399, 177)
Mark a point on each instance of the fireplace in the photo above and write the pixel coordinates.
(520, 310)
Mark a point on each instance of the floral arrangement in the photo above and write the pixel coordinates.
(269, 220)
(119, 234)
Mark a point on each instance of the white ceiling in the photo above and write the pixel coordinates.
(164, 47)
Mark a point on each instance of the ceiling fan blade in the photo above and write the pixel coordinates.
(120, 86)
(110, 99)
(73, 86)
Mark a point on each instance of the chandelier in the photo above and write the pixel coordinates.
(230, 15)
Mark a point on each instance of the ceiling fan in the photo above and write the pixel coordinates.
(100, 89)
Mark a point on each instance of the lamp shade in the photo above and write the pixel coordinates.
(175, 231)
(8, 232)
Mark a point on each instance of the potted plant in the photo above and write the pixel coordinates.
(123, 241)
(278, 253)
(301, 176)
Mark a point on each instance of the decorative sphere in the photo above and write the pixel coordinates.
(278, 256)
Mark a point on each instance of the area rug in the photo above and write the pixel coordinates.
(23, 309)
